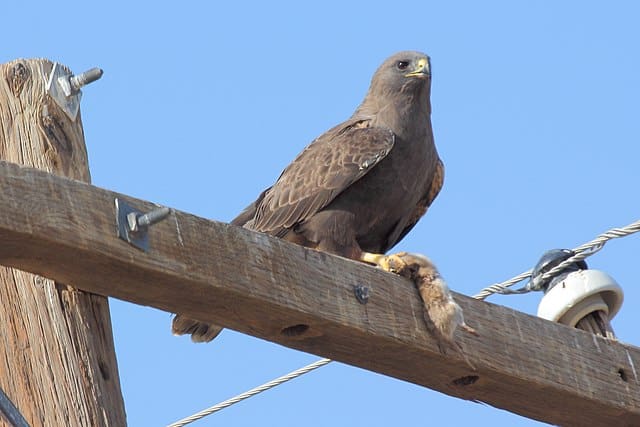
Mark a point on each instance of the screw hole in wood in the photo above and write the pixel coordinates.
(622, 374)
(295, 330)
(466, 380)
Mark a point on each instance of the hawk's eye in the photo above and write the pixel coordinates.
(402, 65)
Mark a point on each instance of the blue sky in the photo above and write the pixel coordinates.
(535, 111)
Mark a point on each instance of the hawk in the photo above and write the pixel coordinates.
(360, 187)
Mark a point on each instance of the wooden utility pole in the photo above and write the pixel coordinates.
(305, 299)
(57, 358)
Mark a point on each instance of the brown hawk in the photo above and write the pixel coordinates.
(360, 187)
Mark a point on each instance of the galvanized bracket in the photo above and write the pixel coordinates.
(133, 225)
(64, 88)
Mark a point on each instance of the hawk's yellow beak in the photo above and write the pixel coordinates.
(423, 69)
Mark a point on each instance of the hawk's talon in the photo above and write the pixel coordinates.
(393, 263)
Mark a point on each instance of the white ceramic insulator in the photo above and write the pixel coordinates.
(579, 294)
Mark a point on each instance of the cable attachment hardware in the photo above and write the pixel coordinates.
(133, 225)
(574, 292)
(541, 281)
(553, 266)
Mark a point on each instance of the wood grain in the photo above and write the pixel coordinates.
(263, 286)
(57, 358)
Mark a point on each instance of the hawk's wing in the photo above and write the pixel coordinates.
(423, 205)
(325, 168)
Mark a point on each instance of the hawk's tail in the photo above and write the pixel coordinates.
(200, 332)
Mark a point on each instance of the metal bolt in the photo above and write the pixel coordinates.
(142, 222)
(71, 84)
(85, 78)
(362, 293)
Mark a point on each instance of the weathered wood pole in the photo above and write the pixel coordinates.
(57, 358)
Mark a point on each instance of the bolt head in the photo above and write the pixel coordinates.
(362, 293)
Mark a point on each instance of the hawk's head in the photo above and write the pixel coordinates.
(403, 70)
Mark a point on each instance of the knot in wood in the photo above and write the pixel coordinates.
(17, 76)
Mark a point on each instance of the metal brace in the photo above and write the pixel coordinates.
(64, 88)
(10, 413)
(133, 225)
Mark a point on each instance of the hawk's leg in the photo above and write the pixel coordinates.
(442, 315)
